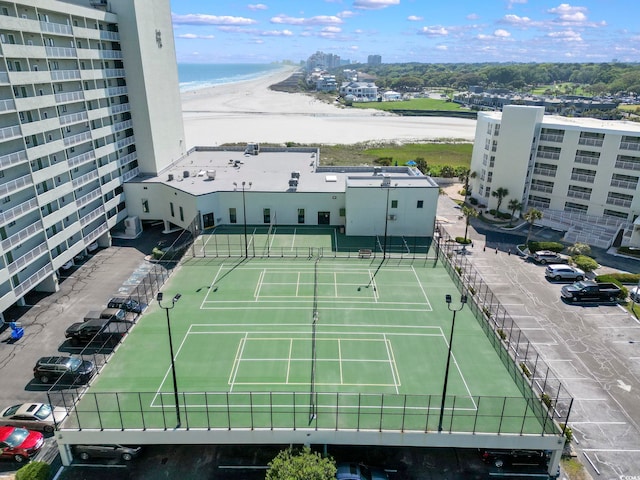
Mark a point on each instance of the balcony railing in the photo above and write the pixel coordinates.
(10, 132)
(548, 155)
(69, 97)
(627, 165)
(22, 235)
(23, 208)
(123, 107)
(630, 146)
(130, 174)
(58, 28)
(7, 104)
(110, 53)
(61, 52)
(81, 159)
(4, 77)
(96, 233)
(583, 178)
(82, 201)
(33, 280)
(549, 137)
(13, 159)
(122, 161)
(126, 142)
(115, 91)
(541, 188)
(545, 171)
(65, 74)
(619, 202)
(592, 142)
(74, 118)
(624, 184)
(16, 184)
(581, 195)
(27, 258)
(84, 179)
(587, 160)
(118, 127)
(92, 215)
(76, 139)
(114, 72)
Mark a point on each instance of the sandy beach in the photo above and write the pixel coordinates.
(249, 112)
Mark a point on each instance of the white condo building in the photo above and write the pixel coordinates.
(85, 105)
(582, 173)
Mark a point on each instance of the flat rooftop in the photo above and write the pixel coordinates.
(583, 122)
(206, 170)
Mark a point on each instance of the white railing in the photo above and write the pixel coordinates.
(587, 160)
(69, 96)
(16, 184)
(544, 171)
(122, 161)
(22, 235)
(61, 51)
(115, 91)
(82, 201)
(120, 108)
(551, 138)
(130, 174)
(74, 118)
(619, 202)
(81, 159)
(59, 28)
(118, 127)
(33, 280)
(96, 233)
(624, 184)
(581, 195)
(10, 132)
(65, 74)
(583, 178)
(92, 215)
(7, 104)
(84, 179)
(110, 53)
(107, 35)
(28, 206)
(79, 138)
(549, 155)
(541, 188)
(629, 146)
(592, 142)
(114, 72)
(13, 159)
(27, 258)
(125, 142)
(627, 165)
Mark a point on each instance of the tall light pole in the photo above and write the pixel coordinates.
(244, 218)
(173, 365)
(463, 300)
(386, 184)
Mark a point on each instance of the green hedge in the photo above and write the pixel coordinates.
(553, 246)
(34, 471)
(633, 251)
(462, 240)
(628, 278)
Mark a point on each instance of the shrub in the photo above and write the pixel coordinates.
(628, 278)
(462, 192)
(487, 312)
(585, 263)
(553, 246)
(459, 270)
(462, 240)
(473, 201)
(34, 471)
(633, 251)
(501, 334)
(525, 369)
(568, 433)
(472, 290)
(157, 253)
(385, 161)
(546, 399)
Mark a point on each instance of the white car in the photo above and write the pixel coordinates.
(68, 265)
(634, 294)
(547, 256)
(92, 247)
(34, 416)
(563, 272)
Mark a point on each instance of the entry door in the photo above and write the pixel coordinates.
(208, 220)
(324, 218)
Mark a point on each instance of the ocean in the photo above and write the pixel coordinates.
(193, 76)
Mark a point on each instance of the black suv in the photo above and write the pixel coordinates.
(502, 458)
(49, 369)
(127, 304)
(84, 332)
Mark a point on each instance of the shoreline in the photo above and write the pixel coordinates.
(261, 76)
(248, 111)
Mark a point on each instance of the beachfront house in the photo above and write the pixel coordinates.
(391, 96)
(360, 91)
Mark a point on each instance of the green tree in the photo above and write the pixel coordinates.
(34, 471)
(500, 194)
(513, 206)
(585, 263)
(579, 249)
(302, 464)
(531, 216)
(468, 213)
(422, 165)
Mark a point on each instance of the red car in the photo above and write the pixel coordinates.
(19, 444)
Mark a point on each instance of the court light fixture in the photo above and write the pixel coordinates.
(448, 300)
(244, 216)
(175, 298)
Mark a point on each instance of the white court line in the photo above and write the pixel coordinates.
(420, 285)
(293, 240)
(335, 284)
(340, 358)
(298, 285)
(302, 324)
(256, 294)
(391, 362)
(244, 342)
(236, 359)
(306, 308)
(289, 359)
(212, 284)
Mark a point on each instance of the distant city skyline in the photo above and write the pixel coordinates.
(228, 31)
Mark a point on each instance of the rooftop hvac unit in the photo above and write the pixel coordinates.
(185, 174)
(377, 170)
(386, 181)
(295, 174)
(293, 183)
(170, 177)
(211, 174)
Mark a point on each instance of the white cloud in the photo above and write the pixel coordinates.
(434, 31)
(192, 36)
(374, 4)
(473, 16)
(345, 14)
(415, 18)
(566, 36)
(569, 14)
(354, 48)
(201, 19)
(501, 33)
(276, 33)
(516, 20)
(257, 6)
(318, 20)
(442, 47)
(332, 29)
(512, 2)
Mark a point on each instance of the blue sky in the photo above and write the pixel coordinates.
(426, 31)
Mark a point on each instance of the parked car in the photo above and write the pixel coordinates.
(35, 416)
(563, 272)
(67, 266)
(547, 256)
(122, 452)
(98, 331)
(111, 314)
(501, 458)
(358, 471)
(634, 294)
(19, 444)
(127, 304)
(49, 369)
(92, 247)
(590, 291)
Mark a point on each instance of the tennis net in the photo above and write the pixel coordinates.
(314, 327)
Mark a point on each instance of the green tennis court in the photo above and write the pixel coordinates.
(344, 343)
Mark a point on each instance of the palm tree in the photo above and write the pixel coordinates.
(468, 213)
(513, 206)
(464, 176)
(531, 216)
(499, 193)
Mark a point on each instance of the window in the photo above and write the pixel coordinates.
(487, 191)
(6, 199)
(575, 207)
(145, 205)
(420, 204)
(232, 216)
(266, 215)
(301, 215)
(343, 212)
(394, 203)
(173, 213)
(181, 214)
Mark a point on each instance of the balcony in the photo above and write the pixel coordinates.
(81, 159)
(74, 118)
(580, 195)
(619, 202)
(4, 77)
(76, 139)
(57, 28)
(592, 142)
(624, 184)
(541, 188)
(583, 178)
(27, 258)
(122, 161)
(15, 185)
(548, 155)
(123, 107)
(547, 172)
(548, 137)
(97, 212)
(114, 72)
(84, 179)
(586, 160)
(89, 197)
(8, 105)
(126, 142)
(65, 75)
(120, 126)
(95, 233)
(627, 165)
(61, 52)
(11, 159)
(9, 133)
(630, 146)
(69, 97)
(22, 235)
(33, 280)
(115, 91)
(130, 174)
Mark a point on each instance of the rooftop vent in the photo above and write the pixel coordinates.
(293, 183)
(211, 174)
(386, 181)
(185, 174)
(295, 174)
(377, 170)
(170, 177)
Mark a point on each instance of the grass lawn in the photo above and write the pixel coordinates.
(414, 104)
(560, 88)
